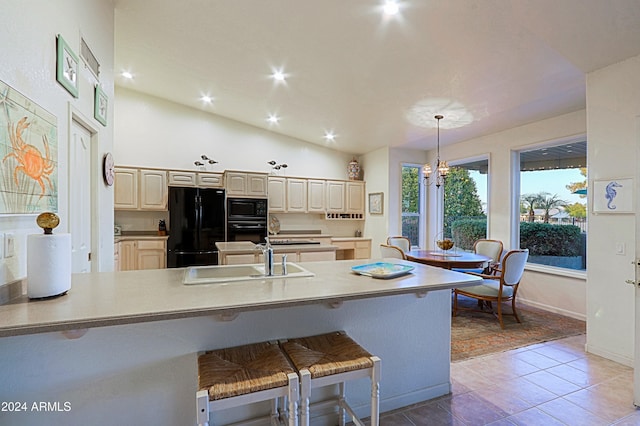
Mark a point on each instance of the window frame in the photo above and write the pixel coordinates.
(515, 203)
(422, 204)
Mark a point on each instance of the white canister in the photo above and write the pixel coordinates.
(48, 265)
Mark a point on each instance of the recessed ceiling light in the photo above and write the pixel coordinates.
(330, 136)
(390, 7)
(127, 75)
(206, 99)
(273, 119)
(278, 76)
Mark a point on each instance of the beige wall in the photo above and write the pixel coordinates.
(613, 124)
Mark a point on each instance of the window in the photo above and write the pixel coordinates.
(553, 204)
(412, 217)
(465, 202)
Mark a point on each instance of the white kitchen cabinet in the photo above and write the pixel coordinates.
(296, 195)
(153, 190)
(316, 202)
(335, 196)
(277, 195)
(135, 254)
(354, 197)
(352, 248)
(127, 255)
(140, 189)
(125, 189)
(178, 178)
(209, 180)
(244, 184)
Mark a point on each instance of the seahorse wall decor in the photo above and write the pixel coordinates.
(610, 193)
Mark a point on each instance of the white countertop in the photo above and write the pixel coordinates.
(116, 298)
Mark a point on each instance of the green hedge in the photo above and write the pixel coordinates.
(465, 232)
(544, 239)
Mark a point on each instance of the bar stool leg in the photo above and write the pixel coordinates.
(375, 391)
(305, 394)
(342, 413)
(293, 397)
(202, 405)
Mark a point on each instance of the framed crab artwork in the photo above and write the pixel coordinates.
(28, 155)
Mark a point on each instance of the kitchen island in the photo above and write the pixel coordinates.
(136, 363)
(241, 252)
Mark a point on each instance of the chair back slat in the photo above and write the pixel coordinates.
(489, 248)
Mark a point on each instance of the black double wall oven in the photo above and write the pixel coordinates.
(247, 219)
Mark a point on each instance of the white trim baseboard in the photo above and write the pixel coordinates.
(553, 309)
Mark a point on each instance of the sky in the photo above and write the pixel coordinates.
(551, 181)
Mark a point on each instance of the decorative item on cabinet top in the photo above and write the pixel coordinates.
(354, 170)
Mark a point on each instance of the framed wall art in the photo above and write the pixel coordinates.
(67, 67)
(100, 104)
(612, 195)
(375, 202)
(29, 154)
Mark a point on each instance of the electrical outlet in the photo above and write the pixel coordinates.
(9, 244)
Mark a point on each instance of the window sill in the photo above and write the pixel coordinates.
(563, 272)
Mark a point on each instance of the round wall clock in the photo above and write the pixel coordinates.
(108, 171)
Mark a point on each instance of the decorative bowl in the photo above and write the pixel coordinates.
(445, 244)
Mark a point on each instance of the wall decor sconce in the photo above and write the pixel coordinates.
(275, 166)
(206, 160)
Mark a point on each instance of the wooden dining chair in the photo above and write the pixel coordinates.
(401, 242)
(497, 288)
(392, 251)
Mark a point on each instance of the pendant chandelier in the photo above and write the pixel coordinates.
(442, 168)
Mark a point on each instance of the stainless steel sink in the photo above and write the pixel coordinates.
(231, 273)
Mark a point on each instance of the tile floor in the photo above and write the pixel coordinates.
(553, 383)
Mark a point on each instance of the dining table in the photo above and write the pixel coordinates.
(449, 259)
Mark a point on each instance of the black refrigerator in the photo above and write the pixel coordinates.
(196, 224)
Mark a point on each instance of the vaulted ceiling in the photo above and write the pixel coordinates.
(373, 79)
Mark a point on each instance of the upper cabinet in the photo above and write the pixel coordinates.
(140, 189)
(195, 179)
(243, 184)
(316, 190)
(345, 200)
(277, 195)
(338, 199)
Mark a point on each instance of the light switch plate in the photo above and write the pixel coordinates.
(9, 244)
(620, 249)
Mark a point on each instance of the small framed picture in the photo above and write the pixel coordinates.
(67, 67)
(612, 195)
(375, 202)
(100, 104)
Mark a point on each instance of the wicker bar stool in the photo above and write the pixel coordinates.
(328, 359)
(242, 375)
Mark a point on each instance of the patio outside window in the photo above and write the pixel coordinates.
(553, 205)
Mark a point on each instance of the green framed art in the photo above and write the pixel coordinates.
(100, 104)
(67, 64)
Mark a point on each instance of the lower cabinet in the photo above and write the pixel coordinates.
(141, 254)
(292, 256)
(357, 248)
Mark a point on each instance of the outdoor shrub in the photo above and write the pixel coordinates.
(465, 232)
(544, 239)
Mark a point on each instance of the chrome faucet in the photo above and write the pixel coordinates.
(267, 252)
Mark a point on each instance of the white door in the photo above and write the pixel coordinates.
(80, 198)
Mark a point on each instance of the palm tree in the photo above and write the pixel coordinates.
(531, 201)
(548, 202)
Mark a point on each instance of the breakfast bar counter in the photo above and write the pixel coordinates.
(120, 348)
